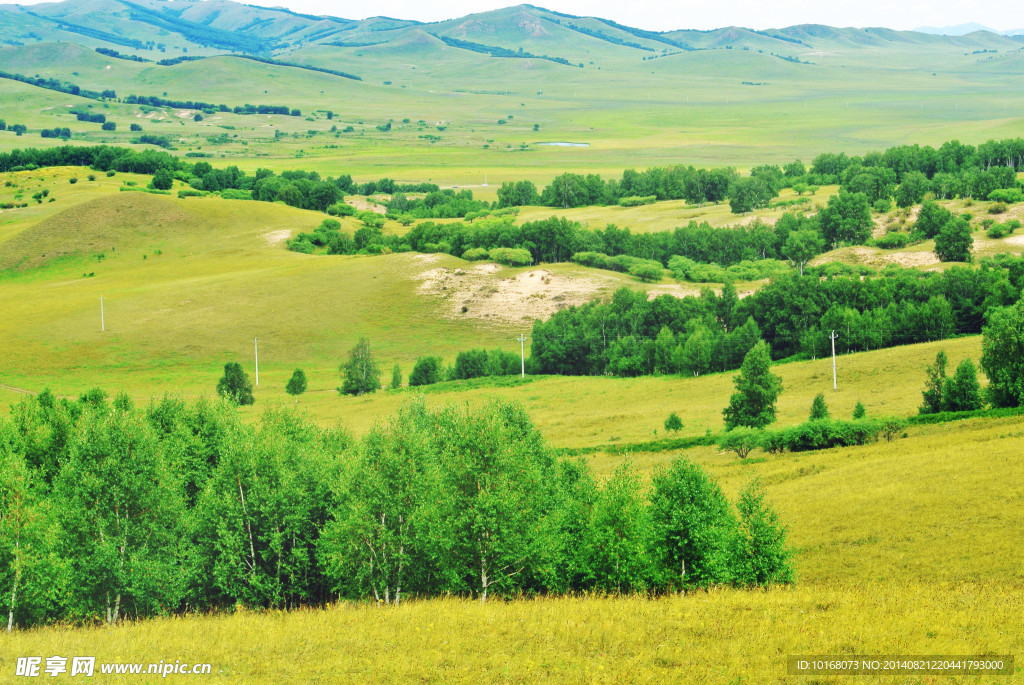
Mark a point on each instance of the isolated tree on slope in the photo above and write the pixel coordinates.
(235, 386)
(819, 410)
(360, 372)
(296, 384)
(757, 389)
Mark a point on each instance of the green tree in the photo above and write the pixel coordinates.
(163, 179)
(296, 384)
(763, 558)
(1002, 355)
(494, 493)
(757, 389)
(426, 372)
(360, 372)
(931, 219)
(396, 377)
(260, 514)
(962, 391)
(935, 386)
(121, 514)
(912, 189)
(819, 410)
(673, 423)
(846, 219)
(748, 194)
(374, 545)
(28, 569)
(803, 246)
(859, 411)
(619, 552)
(740, 440)
(235, 385)
(954, 242)
(692, 527)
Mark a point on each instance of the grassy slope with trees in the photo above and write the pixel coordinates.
(182, 292)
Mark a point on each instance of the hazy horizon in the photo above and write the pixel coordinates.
(997, 15)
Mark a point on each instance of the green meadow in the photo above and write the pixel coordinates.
(902, 547)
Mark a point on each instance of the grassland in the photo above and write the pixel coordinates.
(690, 108)
(903, 548)
(909, 547)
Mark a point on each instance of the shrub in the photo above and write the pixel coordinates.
(73, 180)
(740, 440)
(997, 208)
(892, 241)
(891, 427)
(1007, 195)
(649, 273)
(474, 254)
(512, 256)
(637, 201)
(673, 422)
(341, 209)
(235, 194)
(427, 371)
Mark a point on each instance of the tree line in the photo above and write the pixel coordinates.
(631, 335)
(108, 511)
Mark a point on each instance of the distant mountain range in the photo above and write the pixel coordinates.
(964, 29)
(159, 29)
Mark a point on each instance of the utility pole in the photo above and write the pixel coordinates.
(103, 326)
(256, 349)
(833, 337)
(522, 352)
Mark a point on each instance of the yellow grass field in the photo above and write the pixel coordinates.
(908, 548)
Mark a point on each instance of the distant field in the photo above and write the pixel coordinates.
(709, 108)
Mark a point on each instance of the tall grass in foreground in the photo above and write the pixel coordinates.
(721, 636)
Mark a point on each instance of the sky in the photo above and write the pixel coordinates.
(1000, 15)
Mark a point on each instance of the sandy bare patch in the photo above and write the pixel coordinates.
(184, 113)
(873, 257)
(363, 205)
(479, 293)
(675, 291)
(277, 237)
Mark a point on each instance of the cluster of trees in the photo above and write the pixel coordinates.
(496, 51)
(60, 86)
(361, 374)
(90, 117)
(751, 410)
(469, 364)
(908, 172)
(118, 55)
(108, 511)
(210, 108)
(557, 239)
(437, 204)
(962, 392)
(631, 335)
(64, 133)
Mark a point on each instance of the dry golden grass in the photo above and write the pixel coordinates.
(722, 636)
